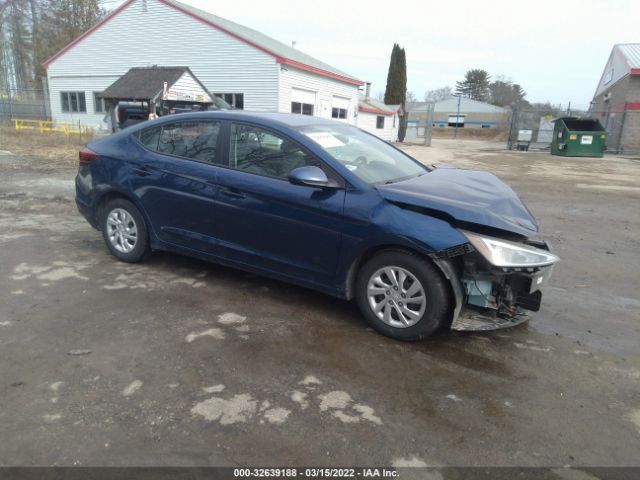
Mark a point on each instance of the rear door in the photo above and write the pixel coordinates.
(175, 179)
(267, 222)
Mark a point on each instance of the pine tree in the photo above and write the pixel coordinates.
(475, 85)
(396, 91)
(392, 74)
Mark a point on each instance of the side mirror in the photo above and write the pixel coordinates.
(309, 176)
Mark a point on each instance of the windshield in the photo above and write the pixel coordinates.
(371, 159)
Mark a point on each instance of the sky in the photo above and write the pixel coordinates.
(556, 50)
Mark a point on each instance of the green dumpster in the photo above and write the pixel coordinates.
(578, 137)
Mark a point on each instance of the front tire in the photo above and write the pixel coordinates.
(124, 231)
(403, 295)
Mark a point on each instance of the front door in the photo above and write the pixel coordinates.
(267, 222)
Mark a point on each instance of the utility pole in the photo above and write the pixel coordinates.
(455, 132)
(428, 128)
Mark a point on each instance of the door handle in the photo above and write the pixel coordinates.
(232, 193)
(141, 171)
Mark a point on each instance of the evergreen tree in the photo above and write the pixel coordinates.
(392, 75)
(396, 91)
(475, 85)
(504, 93)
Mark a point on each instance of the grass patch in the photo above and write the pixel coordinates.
(50, 146)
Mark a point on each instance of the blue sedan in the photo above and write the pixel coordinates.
(321, 204)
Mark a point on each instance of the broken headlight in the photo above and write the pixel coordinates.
(503, 253)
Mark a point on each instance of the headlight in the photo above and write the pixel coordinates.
(503, 253)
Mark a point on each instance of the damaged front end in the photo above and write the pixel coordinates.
(496, 282)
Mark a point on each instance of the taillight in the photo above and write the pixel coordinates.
(86, 156)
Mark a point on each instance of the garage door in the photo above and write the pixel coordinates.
(303, 96)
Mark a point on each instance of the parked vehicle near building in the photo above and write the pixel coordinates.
(325, 205)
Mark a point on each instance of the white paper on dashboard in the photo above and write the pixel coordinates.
(325, 140)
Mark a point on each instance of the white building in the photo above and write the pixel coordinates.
(463, 112)
(377, 118)
(248, 69)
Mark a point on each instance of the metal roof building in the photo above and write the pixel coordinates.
(468, 113)
(616, 101)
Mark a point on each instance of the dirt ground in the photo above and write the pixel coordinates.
(180, 362)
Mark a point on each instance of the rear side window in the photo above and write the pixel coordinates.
(260, 151)
(196, 140)
(149, 137)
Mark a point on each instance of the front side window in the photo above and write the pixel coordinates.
(368, 157)
(302, 108)
(379, 122)
(73, 102)
(256, 150)
(196, 140)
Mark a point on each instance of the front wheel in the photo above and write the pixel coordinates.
(124, 231)
(402, 295)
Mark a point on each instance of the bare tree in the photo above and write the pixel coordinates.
(438, 94)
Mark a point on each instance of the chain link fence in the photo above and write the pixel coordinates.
(539, 124)
(623, 128)
(25, 104)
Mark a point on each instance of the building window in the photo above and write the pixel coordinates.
(302, 108)
(456, 121)
(236, 100)
(338, 112)
(73, 102)
(379, 122)
(98, 103)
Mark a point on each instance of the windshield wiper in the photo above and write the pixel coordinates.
(399, 179)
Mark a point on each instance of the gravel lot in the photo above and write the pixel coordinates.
(180, 362)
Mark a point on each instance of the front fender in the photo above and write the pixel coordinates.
(389, 226)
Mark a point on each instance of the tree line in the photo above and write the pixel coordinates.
(32, 31)
(477, 84)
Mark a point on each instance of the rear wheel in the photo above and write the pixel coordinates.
(124, 231)
(403, 295)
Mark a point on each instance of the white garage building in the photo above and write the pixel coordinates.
(248, 69)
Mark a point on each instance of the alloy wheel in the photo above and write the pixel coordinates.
(396, 297)
(122, 230)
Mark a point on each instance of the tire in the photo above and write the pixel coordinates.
(128, 242)
(406, 320)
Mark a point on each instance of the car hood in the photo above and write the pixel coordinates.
(469, 196)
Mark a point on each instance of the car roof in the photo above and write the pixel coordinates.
(292, 120)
